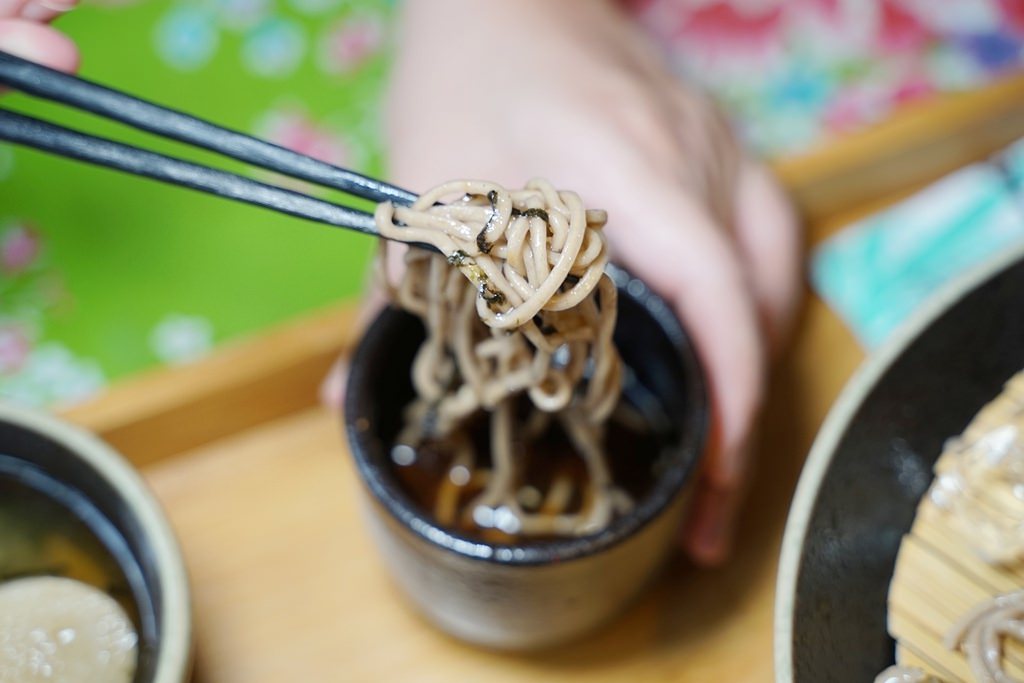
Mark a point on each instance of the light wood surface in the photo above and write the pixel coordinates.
(164, 412)
(287, 586)
(257, 482)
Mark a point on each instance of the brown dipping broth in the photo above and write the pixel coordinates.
(41, 537)
(633, 457)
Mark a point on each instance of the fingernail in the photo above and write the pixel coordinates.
(10, 8)
(332, 389)
(710, 531)
(57, 5)
(35, 11)
(711, 540)
(734, 468)
(44, 10)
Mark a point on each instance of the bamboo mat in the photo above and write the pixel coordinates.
(940, 576)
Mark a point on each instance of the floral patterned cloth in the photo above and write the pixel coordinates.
(877, 272)
(796, 72)
(103, 275)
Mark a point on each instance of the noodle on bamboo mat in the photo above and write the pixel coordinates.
(956, 601)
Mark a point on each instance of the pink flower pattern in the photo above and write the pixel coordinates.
(841, 63)
(19, 247)
(15, 347)
(1013, 11)
(720, 33)
(291, 127)
(348, 44)
(900, 30)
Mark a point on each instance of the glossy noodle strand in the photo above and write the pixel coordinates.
(515, 303)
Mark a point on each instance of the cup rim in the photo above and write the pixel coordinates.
(174, 657)
(688, 452)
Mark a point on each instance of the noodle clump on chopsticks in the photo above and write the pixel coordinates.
(515, 302)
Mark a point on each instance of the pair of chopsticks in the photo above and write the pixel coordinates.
(39, 81)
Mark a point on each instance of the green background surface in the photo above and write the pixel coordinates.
(127, 268)
(125, 252)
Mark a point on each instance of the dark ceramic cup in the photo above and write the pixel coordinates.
(535, 594)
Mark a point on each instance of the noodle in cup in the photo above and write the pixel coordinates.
(532, 593)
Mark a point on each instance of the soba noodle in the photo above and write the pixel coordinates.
(903, 674)
(979, 635)
(515, 303)
(979, 477)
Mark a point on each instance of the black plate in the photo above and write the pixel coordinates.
(870, 465)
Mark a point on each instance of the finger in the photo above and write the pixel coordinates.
(11, 8)
(670, 239)
(712, 154)
(673, 244)
(747, 200)
(38, 43)
(45, 10)
(710, 527)
(332, 389)
(769, 238)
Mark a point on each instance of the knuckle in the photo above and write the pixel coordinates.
(724, 480)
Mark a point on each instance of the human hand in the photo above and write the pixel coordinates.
(574, 92)
(24, 31)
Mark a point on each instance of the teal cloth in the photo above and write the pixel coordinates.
(878, 271)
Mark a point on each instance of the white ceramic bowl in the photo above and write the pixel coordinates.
(97, 483)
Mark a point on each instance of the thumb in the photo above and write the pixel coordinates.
(38, 43)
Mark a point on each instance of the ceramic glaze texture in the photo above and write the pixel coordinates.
(539, 593)
(522, 607)
(101, 488)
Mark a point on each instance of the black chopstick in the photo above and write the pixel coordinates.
(46, 83)
(24, 130)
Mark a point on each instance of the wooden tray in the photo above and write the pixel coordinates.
(916, 145)
(258, 483)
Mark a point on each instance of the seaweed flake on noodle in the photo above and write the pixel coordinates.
(516, 304)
